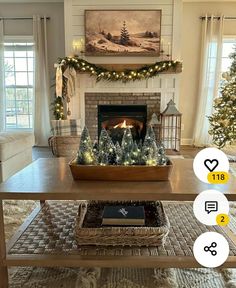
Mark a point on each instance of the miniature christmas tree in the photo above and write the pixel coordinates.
(223, 120)
(124, 35)
(118, 153)
(161, 157)
(150, 138)
(136, 154)
(85, 153)
(127, 147)
(107, 153)
(96, 150)
(152, 155)
(111, 153)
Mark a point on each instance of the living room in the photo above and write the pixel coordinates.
(109, 105)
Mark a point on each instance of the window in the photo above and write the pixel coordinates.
(18, 84)
(227, 48)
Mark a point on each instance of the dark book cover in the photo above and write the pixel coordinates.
(123, 215)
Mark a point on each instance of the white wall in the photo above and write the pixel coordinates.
(56, 43)
(191, 37)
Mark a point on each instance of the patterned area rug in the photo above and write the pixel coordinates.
(30, 277)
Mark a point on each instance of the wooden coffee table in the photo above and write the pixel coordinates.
(50, 179)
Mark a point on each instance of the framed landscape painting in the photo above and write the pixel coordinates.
(122, 32)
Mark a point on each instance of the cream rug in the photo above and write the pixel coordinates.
(31, 277)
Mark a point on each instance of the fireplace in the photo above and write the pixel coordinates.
(115, 118)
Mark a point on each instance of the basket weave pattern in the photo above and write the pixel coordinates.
(64, 146)
(88, 229)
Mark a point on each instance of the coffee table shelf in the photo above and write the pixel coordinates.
(47, 239)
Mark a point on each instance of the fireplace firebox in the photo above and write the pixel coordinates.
(115, 118)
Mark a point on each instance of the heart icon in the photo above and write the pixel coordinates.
(211, 164)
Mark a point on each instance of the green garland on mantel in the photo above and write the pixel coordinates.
(101, 73)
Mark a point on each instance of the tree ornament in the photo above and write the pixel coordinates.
(85, 153)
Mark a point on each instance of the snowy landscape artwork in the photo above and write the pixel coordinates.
(122, 32)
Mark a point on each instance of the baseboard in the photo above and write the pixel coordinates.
(187, 141)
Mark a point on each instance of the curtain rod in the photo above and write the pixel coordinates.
(20, 18)
(218, 17)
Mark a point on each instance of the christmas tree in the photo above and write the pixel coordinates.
(152, 155)
(124, 35)
(148, 145)
(107, 153)
(223, 120)
(118, 154)
(161, 155)
(85, 153)
(127, 147)
(136, 154)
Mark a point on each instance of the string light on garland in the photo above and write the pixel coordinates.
(148, 71)
(58, 108)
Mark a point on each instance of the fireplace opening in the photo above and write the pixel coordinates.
(116, 118)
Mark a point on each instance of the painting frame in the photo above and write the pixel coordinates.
(152, 51)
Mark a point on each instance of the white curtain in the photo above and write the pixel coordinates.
(211, 53)
(2, 125)
(42, 91)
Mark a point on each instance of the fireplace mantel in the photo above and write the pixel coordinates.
(168, 85)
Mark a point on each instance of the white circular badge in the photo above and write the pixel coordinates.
(209, 160)
(208, 204)
(211, 249)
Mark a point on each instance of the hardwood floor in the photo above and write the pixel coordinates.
(188, 152)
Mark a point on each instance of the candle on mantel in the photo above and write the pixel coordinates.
(169, 48)
(78, 46)
(162, 44)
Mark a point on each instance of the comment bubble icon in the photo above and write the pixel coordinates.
(211, 206)
(208, 204)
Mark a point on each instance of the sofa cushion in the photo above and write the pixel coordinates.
(12, 143)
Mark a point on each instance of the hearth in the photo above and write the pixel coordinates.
(115, 118)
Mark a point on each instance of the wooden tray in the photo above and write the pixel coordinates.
(120, 173)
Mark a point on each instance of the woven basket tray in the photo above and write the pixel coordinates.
(89, 229)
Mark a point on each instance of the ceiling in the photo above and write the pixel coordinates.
(30, 1)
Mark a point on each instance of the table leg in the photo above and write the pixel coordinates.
(3, 267)
(42, 202)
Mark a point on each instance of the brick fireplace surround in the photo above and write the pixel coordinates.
(92, 100)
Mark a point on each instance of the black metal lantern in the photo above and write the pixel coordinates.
(171, 127)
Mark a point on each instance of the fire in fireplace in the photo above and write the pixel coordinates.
(116, 118)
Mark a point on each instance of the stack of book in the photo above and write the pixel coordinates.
(123, 216)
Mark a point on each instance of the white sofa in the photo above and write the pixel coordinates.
(15, 152)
